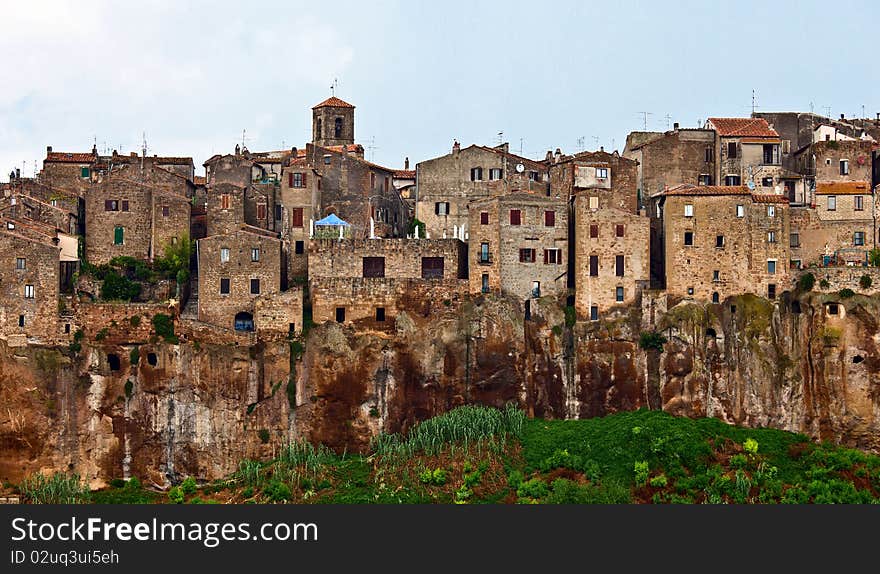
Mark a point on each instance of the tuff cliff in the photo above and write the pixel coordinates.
(200, 405)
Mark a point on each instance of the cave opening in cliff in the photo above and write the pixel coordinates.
(113, 361)
(858, 359)
(796, 307)
(711, 334)
(152, 359)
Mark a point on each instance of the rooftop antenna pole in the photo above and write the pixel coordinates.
(667, 117)
(143, 150)
(580, 144)
(596, 139)
(333, 87)
(521, 140)
(827, 111)
(645, 119)
(863, 110)
(500, 138)
(753, 102)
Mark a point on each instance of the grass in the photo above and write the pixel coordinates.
(57, 488)
(481, 455)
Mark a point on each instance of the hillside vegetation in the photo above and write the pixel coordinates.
(474, 455)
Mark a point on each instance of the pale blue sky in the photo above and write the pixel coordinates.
(420, 73)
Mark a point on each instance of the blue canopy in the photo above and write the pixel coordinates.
(331, 220)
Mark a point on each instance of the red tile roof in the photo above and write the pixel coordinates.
(333, 102)
(199, 180)
(743, 127)
(405, 174)
(769, 198)
(173, 160)
(688, 189)
(63, 157)
(842, 188)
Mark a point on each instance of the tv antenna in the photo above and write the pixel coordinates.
(500, 138)
(596, 139)
(372, 147)
(521, 144)
(753, 102)
(667, 117)
(580, 144)
(827, 111)
(645, 118)
(333, 87)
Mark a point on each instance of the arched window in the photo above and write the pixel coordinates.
(318, 130)
(337, 129)
(715, 297)
(244, 321)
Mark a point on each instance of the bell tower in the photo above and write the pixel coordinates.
(333, 123)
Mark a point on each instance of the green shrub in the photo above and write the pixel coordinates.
(557, 330)
(515, 479)
(119, 288)
(57, 488)
(188, 486)
(277, 491)
(874, 257)
(264, 435)
(175, 495)
(117, 483)
(134, 356)
(164, 327)
(739, 461)
(533, 488)
(129, 388)
(135, 320)
(102, 334)
(750, 446)
(865, 281)
(846, 293)
(807, 282)
(570, 316)
(641, 470)
(133, 483)
(652, 340)
(659, 481)
(436, 477)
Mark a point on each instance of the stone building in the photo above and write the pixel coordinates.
(672, 158)
(610, 256)
(447, 184)
(748, 151)
(721, 241)
(29, 283)
(23, 206)
(371, 281)
(333, 123)
(135, 210)
(300, 202)
(236, 268)
(518, 244)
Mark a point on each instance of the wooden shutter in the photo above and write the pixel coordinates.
(550, 218)
(594, 231)
(297, 217)
(484, 218)
(546, 256)
(304, 179)
(290, 179)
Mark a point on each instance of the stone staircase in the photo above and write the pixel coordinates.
(191, 310)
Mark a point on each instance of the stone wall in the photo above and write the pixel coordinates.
(281, 313)
(403, 258)
(829, 154)
(29, 295)
(845, 277)
(678, 156)
(121, 323)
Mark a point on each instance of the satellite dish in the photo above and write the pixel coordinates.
(751, 185)
(520, 168)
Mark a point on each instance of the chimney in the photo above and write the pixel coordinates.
(456, 147)
(294, 151)
(602, 148)
(17, 173)
(237, 150)
(49, 148)
(406, 163)
(675, 126)
(94, 149)
(842, 116)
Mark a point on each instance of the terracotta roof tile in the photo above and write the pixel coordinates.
(842, 188)
(173, 160)
(333, 102)
(405, 173)
(743, 127)
(64, 157)
(769, 198)
(688, 189)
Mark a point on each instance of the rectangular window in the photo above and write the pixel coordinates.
(594, 202)
(618, 294)
(771, 154)
(432, 267)
(534, 176)
(19, 263)
(844, 167)
(594, 313)
(224, 201)
(296, 216)
(740, 210)
(515, 217)
(719, 241)
(21, 320)
(704, 179)
(278, 212)
(85, 172)
(771, 266)
(716, 275)
(688, 210)
(688, 237)
(795, 240)
(766, 182)
(594, 231)
(111, 205)
(261, 211)
(859, 202)
(124, 205)
(594, 265)
(255, 254)
(374, 267)
(299, 247)
(494, 174)
(118, 235)
(224, 255)
(255, 286)
(484, 252)
(832, 203)
(709, 155)
(619, 265)
(484, 283)
(166, 211)
(771, 237)
(380, 314)
(28, 291)
(476, 174)
(771, 211)
(484, 218)
(731, 180)
(340, 314)
(731, 149)
(601, 172)
(526, 255)
(441, 208)
(619, 230)
(859, 238)
(552, 256)
(224, 286)
(549, 219)
(386, 191)
(327, 162)
(771, 291)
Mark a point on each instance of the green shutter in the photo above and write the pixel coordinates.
(118, 235)
(85, 172)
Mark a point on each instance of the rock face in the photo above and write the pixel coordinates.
(809, 364)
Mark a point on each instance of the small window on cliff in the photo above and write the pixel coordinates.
(340, 314)
(380, 314)
(833, 309)
(716, 297)
(858, 359)
(298, 248)
(152, 359)
(711, 334)
(594, 313)
(113, 361)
